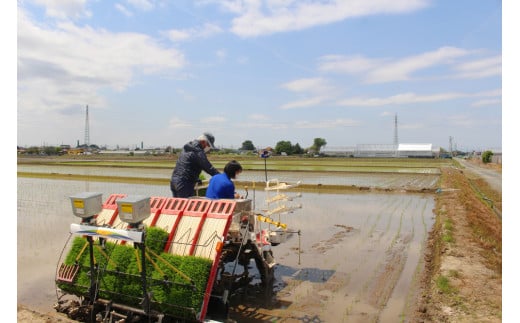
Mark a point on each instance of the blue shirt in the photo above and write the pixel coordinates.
(220, 187)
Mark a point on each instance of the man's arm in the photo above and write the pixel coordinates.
(206, 165)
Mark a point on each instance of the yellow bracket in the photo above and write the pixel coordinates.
(271, 221)
(171, 266)
(154, 264)
(105, 255)
(82, 250)
(139, 267)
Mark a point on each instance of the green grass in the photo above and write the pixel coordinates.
(443, 284)
(447, 235)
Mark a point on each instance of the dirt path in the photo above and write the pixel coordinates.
(490, 173)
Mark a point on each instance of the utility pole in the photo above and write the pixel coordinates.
(396, 140)
(87, 134)
(451, 146)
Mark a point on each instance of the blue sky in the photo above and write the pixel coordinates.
(162, 72)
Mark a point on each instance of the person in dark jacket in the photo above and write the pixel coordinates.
(191, 162)
(221, 186)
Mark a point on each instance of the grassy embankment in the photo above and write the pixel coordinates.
(466, 237)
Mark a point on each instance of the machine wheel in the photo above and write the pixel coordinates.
(266, 271)
(217, 309)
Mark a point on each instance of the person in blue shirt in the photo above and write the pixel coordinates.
(221, 185)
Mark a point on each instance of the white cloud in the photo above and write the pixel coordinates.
(401, 70)
(303, 103)
(403, 98)
(486, 102)
(213, 120)
(119, 7)
(347, 64)
(258, 117)
(178, 35)
(65, 9)
(491, 66)
(307, 84)
(495, 92)
(176, 122)
(382, 70)
(386, 70)
(143, 5)
(204, 31)
(326, 124)
(320, 91)
(256, 18)
(58, 67)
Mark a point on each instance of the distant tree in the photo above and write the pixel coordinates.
(297, 150)
(283, 147)
(51, 150)
(224, 151)
(318, 143)
(33, 150)
(486, 156)
(247, 145)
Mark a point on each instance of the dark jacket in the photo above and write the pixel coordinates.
(191, 162)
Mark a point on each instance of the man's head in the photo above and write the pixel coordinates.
(207, 140)
(232, 169)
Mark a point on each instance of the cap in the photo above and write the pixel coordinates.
(208, 138)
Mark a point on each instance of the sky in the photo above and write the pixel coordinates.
(159, 73)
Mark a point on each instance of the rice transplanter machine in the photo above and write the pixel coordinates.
(136, 258)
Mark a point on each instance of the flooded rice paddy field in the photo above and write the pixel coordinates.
(407, 180)
(356, 260)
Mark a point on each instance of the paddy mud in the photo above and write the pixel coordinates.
(356, 258)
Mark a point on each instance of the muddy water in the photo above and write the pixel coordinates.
(358, 258)
(381, 180)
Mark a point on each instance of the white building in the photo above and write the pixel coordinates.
(415, 150)
(383, 151)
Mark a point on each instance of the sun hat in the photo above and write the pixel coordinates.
(209, 138)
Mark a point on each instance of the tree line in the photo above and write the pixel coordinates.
(283, 147)
(286, 147)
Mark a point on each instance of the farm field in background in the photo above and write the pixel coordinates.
(275, 163)
(316, 174)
